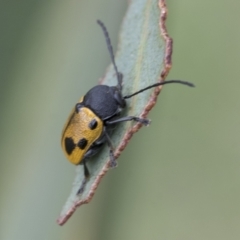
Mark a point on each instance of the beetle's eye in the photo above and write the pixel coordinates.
(78, 107)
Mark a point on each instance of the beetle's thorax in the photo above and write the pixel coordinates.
(105, 101)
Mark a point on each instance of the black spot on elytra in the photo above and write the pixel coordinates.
(93, 124)
(82, 143)
(69, 145)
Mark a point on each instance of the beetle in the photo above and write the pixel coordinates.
(89, 125)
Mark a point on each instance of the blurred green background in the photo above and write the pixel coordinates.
(177, 179)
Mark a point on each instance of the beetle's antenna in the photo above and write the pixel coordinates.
(110, 49)
(158, 84)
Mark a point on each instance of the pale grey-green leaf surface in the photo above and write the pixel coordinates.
(141, 59)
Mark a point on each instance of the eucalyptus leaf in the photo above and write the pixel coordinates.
(144, 58)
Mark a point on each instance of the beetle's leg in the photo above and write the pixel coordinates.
(113, 162)
(144, 121)
(86, 171)
(93, 150)
(78, 107)
(80, 190)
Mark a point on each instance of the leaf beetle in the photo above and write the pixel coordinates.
(89, 124)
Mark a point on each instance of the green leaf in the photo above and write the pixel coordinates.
(144, 57)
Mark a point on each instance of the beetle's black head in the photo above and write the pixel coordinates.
(105, 101)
